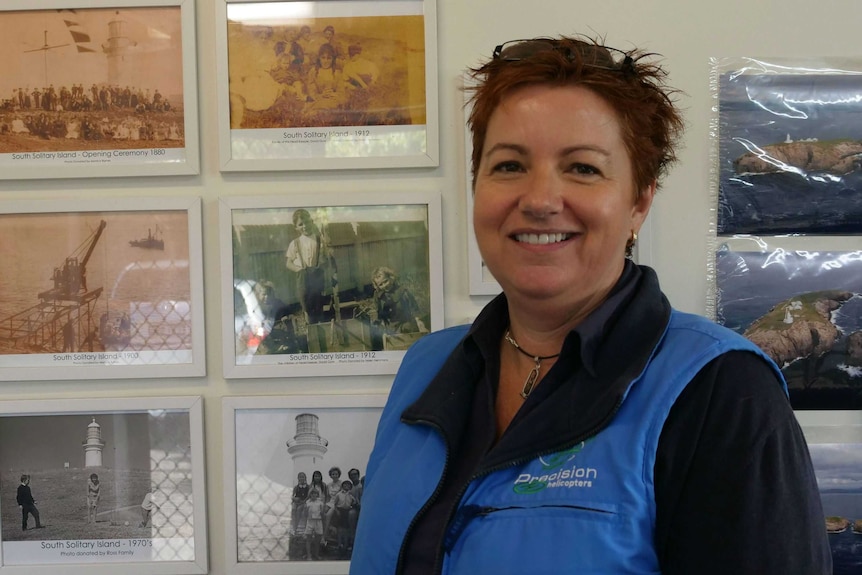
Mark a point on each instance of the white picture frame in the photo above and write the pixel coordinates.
(136, 447)
(123, 85)
(338, 431)
(337, 330)
(293, 123)
(101, 289)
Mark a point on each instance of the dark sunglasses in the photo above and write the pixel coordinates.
(603, 57)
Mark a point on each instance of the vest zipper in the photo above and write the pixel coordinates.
(399, 566)
(438, 560)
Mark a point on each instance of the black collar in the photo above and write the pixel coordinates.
(584, 399)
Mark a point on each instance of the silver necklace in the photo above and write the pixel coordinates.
(533, 376)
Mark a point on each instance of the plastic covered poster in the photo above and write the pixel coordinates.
(789, 146)
(803, 308)
(838, 467)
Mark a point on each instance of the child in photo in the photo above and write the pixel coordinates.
(343, 503)
(299, 512)
(313, 525)
(94, 491)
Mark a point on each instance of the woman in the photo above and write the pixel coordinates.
(317, 483)
(581, 425)
(324, 82)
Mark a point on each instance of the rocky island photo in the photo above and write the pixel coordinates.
(804, 310)
(790, 153)
(838, 468)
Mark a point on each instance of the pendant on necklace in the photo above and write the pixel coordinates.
(532, 378)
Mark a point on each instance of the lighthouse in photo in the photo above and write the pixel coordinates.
(307, 447)
(93, 446)
(117, 48)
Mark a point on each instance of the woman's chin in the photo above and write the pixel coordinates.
(536, 285)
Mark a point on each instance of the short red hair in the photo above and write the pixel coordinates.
(649, 118)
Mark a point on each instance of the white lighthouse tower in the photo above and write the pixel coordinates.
(307, 447)
(94, 445)
(117, 48)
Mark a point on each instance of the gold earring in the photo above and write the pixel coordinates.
(630, 245)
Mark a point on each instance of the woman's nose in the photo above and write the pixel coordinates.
(542, 196)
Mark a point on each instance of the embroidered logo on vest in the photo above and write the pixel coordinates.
(557, 473)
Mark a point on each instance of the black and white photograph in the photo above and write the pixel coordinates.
(329, 288)
(99, 293)
(334, 84)
(100, 485)
(789, 148)
(299, 466)
(88, 90)
(803, 308)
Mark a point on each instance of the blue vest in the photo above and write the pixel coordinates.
(589, 509)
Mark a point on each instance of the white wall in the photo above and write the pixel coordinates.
(686, 32)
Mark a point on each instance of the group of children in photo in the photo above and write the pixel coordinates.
(94, 494)
(324, 515)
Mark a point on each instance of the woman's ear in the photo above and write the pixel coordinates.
(642, 205)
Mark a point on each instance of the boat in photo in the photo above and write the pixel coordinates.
(153, 241)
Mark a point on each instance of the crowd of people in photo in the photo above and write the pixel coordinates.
(100, 112)
(324, 515)
(317, 71)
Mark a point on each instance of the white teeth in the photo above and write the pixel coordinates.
(542, 238)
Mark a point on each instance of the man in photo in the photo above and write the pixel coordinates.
(359, 72)
(147, 508)
(27, 503)
(397, 311)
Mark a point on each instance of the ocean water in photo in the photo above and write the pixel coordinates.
(756, 111)
(134, 280)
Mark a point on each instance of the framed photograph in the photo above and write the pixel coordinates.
(799, 301)
(101, 289)
(835, 443)
(482, 281)
(98, 88)
(294, 469)
(103, 486)
(788, 147)
(323, 285)
(327, 84)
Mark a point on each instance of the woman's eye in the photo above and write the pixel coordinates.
(508, 166)
(584, 169)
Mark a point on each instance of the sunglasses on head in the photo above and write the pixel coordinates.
(593, 56)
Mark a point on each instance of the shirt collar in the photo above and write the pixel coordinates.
(585, 339)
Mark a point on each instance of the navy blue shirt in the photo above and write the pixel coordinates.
(725, 443)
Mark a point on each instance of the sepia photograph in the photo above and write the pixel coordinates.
(326, 81)
(299, 466)
(102, 483)
(87, 89)
(328, 289)
(97, 293)
(789, 149)
(803, 308)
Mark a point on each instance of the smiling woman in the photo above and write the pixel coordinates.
(581, 424)
(555, 201)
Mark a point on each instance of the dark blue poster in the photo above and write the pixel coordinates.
(804, 310)
(838, 467)
(790, 151)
